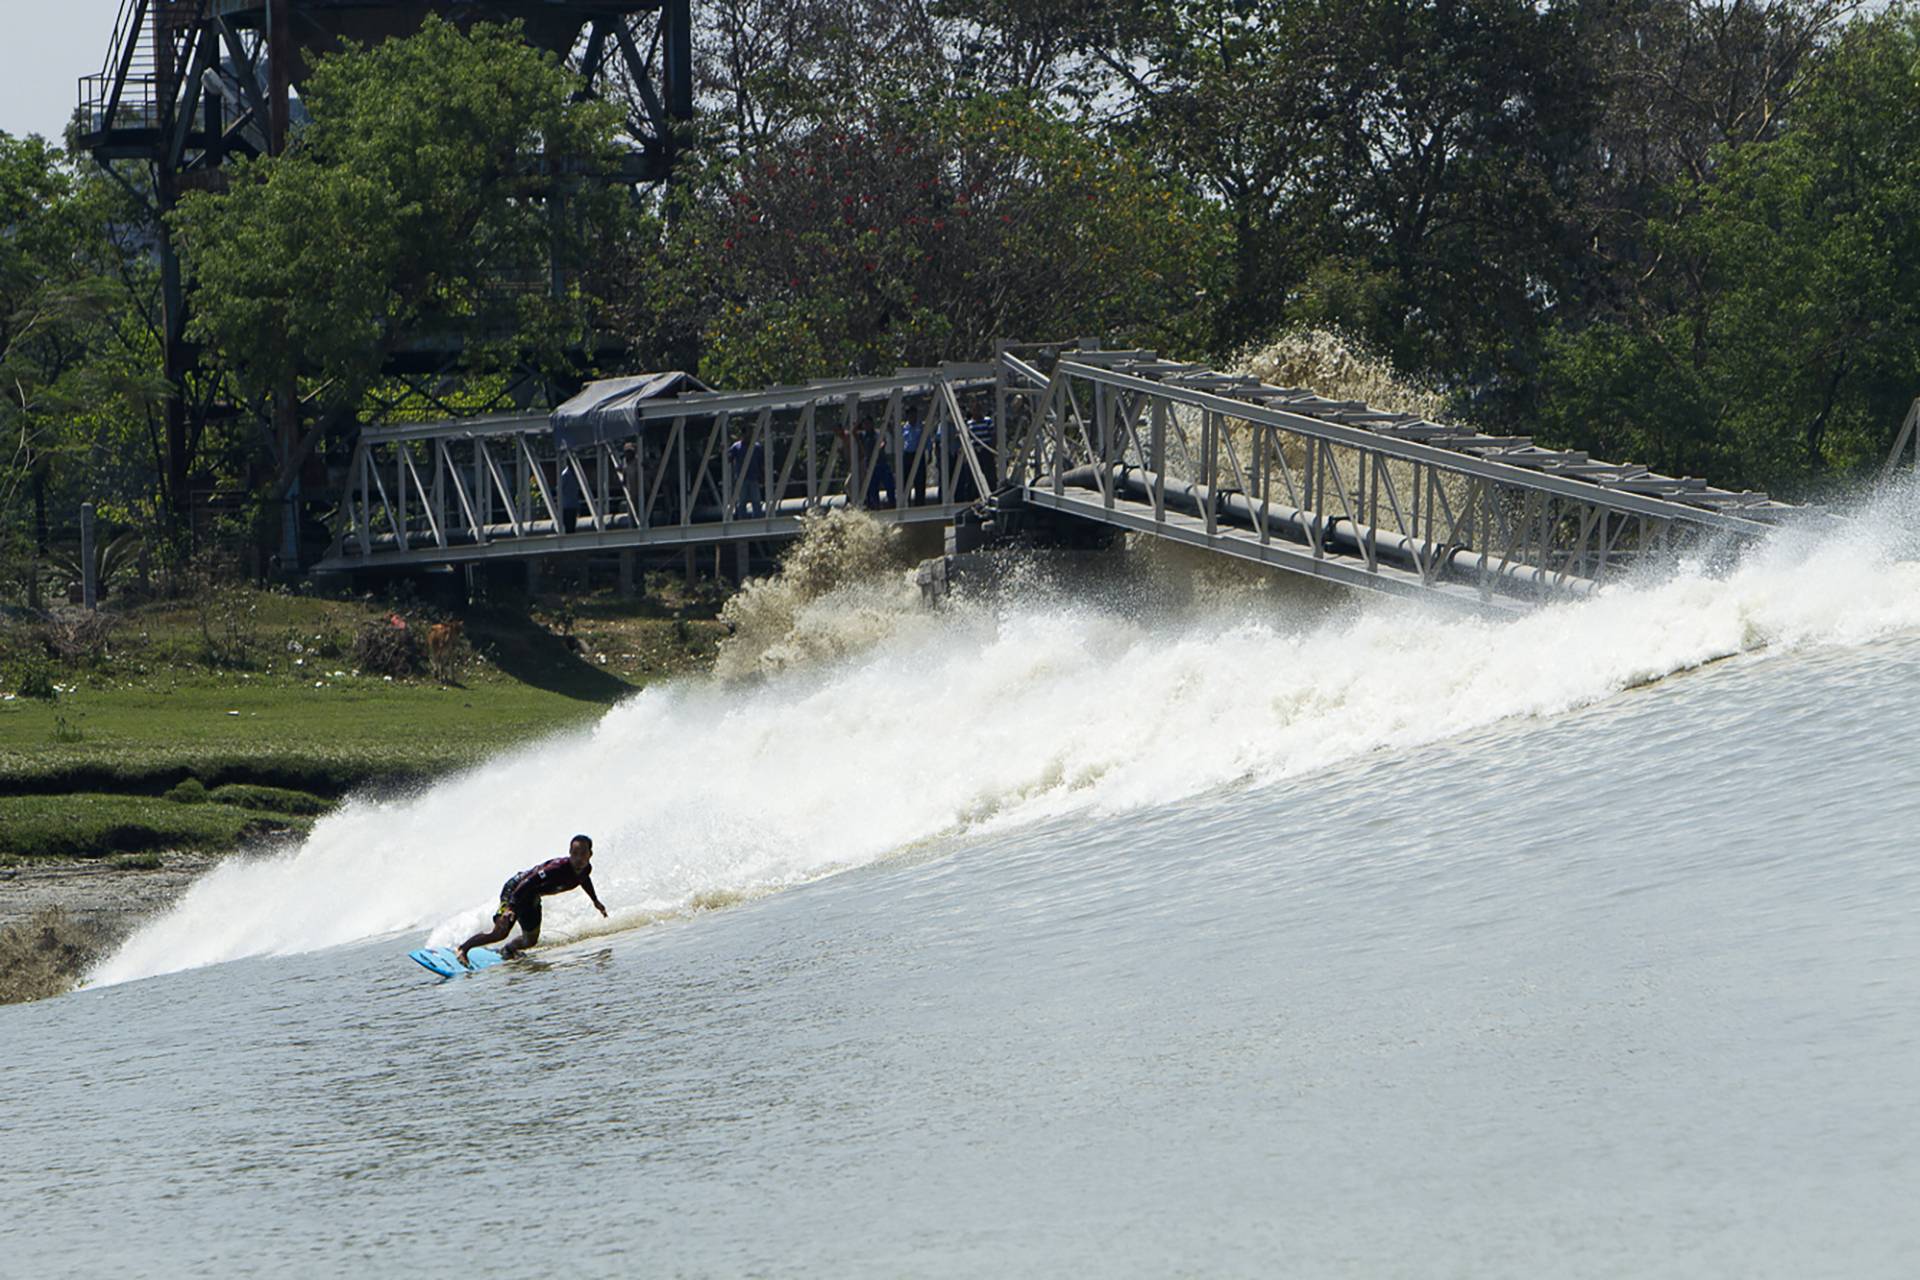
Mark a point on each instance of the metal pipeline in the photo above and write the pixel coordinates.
(1337, 534)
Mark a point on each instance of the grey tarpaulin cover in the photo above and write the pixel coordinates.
(609, 409)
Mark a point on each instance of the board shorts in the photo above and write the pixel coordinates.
(523, 906)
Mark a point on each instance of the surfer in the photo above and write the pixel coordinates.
(520, 899)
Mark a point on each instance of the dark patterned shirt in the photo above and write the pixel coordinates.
(553, 876)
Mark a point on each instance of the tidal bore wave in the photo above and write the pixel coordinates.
(996, 712)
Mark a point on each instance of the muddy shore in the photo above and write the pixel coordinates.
(117, 898)
(59, 918)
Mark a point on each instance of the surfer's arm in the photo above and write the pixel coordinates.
(586, 882)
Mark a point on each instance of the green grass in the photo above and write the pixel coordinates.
(270, 731)
(92, 826)
(281, 724)
(275, 799)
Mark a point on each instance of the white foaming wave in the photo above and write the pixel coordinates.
(1000, 714)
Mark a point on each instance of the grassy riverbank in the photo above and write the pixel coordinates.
(200, 725)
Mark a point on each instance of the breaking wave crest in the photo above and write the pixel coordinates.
(1005, 709)
(843, 587)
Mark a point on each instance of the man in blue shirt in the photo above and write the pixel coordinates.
(745, 464)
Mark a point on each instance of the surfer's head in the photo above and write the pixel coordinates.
(580, 850)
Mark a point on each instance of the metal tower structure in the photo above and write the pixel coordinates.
(188, 84)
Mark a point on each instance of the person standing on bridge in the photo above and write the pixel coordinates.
(569, 494)
(877, 455)
(916, 460)
(520, 899)
(627, 472)
(746, 464)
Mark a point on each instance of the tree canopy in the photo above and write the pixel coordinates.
(1670, 231)
(912, 231)
(1775, 337)
(444, 188)
(76, 378)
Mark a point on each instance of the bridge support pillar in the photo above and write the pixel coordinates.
(626, 574)
(533, 576)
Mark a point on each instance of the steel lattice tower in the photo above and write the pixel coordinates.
(187, 84)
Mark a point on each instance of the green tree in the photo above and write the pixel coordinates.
(1785, 342)
(1394, 168)
(1456, 142)
(770, 70)
(916, 231)
(451, 183)
(1681, 86)
(1236, 100)
(65, 394)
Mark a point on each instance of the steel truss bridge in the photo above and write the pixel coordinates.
(1050, 436)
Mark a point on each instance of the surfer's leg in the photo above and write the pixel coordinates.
(528, 937)
(502, 925)
(528, 913)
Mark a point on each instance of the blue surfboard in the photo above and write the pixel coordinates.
(441, 960)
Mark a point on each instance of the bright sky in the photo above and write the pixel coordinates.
(44, 50)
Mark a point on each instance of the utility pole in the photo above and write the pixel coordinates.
(89, 573)
(286, 396)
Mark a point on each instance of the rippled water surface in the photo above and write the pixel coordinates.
(1624, 982)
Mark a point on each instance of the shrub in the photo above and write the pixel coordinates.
(243, 795)
(191, 791)
(227, 611)
(79, 637)
(32, 678)
(382, 649)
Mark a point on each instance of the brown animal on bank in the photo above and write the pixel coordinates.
(441, 639)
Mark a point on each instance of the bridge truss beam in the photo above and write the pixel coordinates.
(1338, 490)
(1328, 489)
(509, 488)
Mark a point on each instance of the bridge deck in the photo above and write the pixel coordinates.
(499, 541)
(1241, 544)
